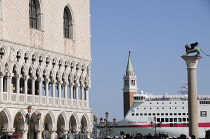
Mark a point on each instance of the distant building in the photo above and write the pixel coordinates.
(130, 86)
(45, 58)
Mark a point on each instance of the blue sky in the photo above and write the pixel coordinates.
(155, 31)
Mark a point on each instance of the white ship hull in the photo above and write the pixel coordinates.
(170, 131)
(166, 114)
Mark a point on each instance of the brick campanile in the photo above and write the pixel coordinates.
(130, 86)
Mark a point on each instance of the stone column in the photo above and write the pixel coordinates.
(192, 62)
(59, 92)
(76, 88)
(53, 92)
(40, 91)
(52, 134)
(33, 89)
(87, 97)
(82, 95)
(18, 86)
(24, 133)
(71, 94)
(9, 87)
(47, 91)
(65, 132)
(1, 86)
(65, 93)
(38, 134)
(25, 87)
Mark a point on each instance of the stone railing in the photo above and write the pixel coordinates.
(43, 100)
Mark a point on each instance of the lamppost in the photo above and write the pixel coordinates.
(107, 124)
(155, 125)
(29, 119)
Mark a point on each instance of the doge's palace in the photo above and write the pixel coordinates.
(45, 58)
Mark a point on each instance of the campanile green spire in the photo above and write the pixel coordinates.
(129, 64)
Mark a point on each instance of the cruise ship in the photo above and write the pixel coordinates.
(155, 114)
(159, 114)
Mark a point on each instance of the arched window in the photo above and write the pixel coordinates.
(67, 23)
(34, 14)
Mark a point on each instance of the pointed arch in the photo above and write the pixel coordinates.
(23, 70)
(83, 67)
(73, 123)
(81, 79)
(15, 69)
(2, 48)
(61, 122)
(31, 71)
(7, 68)
(86, 81)
(84, 123)
(66, 65)
(72, 65)
(14, 78)
(75, 78)
(38, 72)
(52, 75)
(45, 73)
(70, 78)
(58, 75)
(50, 120)
(77, 66)
(6, 117)
(64, 80)
(26, 57)
(17, 125)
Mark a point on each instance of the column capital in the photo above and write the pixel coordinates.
(52, 130)
(39, 130)
(24, 131)
(32, 78)
(82, 86)
(8, 75)
(71, 84)
(65, 83)
(1, 74)
(25, 77)
(76, 84)
(52, 81)
(9, 131)
(191, 61)
(17, 75)
(39, 79)
(86, 87)
(46, 80)
(58, 82)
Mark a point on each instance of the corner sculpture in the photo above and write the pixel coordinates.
(192, 49)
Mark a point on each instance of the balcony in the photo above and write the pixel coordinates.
(14, 90)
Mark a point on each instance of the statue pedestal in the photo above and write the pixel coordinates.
(192, 62)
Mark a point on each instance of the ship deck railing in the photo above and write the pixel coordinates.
(175, 99)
